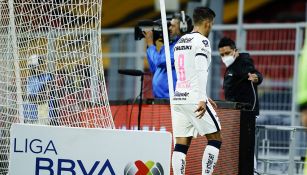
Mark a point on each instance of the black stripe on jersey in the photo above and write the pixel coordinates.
(213, 118)
(202, 54)
(194, 32)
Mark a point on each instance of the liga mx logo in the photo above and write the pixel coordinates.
(140, 168)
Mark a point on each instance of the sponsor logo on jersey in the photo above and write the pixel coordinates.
(183, 47)
(185, 40)
(181, 94)
(206, 43)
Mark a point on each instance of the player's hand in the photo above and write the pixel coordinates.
(201, 109)
(148, 37)
(253, 77)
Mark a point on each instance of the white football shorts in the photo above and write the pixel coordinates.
(185, 123)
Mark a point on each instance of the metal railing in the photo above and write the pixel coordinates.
(280, 149)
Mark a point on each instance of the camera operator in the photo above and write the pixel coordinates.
(179, 25)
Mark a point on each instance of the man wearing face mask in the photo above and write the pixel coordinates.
(241, 78)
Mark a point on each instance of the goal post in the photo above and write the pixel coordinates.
(51, 69)
(12, 35)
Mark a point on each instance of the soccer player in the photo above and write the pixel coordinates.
(157, 59)
(193, 112)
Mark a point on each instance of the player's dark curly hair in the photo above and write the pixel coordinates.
(225, 41)
(202, 13)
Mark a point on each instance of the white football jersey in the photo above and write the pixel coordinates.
(192, 55)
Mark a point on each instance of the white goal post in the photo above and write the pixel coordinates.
(51, 66)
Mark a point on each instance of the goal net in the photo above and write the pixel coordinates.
(50, 66)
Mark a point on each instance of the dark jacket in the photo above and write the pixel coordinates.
(236, 85)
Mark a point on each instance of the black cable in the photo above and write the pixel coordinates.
(116, 112)
(132, 105)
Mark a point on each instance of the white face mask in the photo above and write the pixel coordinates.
(228, 60)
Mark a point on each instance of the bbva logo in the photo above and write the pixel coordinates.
(140, 168)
